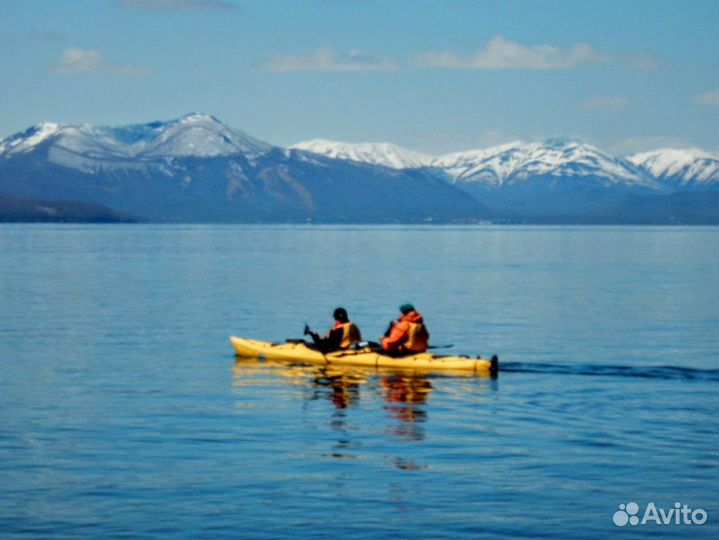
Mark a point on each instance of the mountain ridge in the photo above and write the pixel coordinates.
(202, 135)
(679, 166)
(519, 160)
(386, 154)
(195, 168)
(193, 135)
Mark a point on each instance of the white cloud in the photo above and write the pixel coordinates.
(607, 102)
(177, 5)
(326, 59)
(77, 61)
(501, 53)
(709, 98)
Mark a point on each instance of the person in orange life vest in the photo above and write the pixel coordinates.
(342, 334)
(409, 334)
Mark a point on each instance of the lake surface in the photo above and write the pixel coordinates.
(124, 414)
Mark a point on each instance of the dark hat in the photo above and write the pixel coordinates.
(406, 308)
(340, 314)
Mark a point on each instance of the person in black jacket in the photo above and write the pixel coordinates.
(342, 334)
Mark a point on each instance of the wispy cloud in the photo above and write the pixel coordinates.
(77, 61)
(607, 102)
(709, 98)
(503, 54)
(327, 59)
(177, 5)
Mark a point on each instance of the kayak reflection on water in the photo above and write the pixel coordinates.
(404, 397)
(344, 388)
(406, 389)
(341, 385)
(412, 390)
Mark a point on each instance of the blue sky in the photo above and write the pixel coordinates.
(434, 76)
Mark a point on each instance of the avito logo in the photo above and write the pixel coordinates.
(628, 514)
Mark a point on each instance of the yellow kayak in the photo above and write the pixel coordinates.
(298, 351)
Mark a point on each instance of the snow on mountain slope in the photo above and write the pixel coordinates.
(490, 165)
(28, 139)
(516, 161)
(89, 148)
(519, 161)
(385, 154)
(157, 144)
(202, 136)
(689, 166)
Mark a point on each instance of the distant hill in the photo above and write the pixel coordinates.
(197, 169)
(565, 181)
(666, 169)
(689, 169)
(386, 154)
(15, 209)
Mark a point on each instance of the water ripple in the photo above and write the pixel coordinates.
(644, 372)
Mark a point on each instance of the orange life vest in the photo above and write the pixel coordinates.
(408, 334)
(417, 338)
(350, 333)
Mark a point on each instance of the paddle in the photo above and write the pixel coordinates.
(378, 347)
(316, 340)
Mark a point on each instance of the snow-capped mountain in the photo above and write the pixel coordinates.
(518, 162)
(512, 162)
(198, 135)
(27, 140)
(687, 167)
(385, 154)
(562, 181)
(196, 169)
(89, 148)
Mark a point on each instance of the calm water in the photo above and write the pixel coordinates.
(123, 413)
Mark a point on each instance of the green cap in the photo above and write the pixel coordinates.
(406, 308)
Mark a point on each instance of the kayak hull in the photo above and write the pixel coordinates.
(298, 351)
